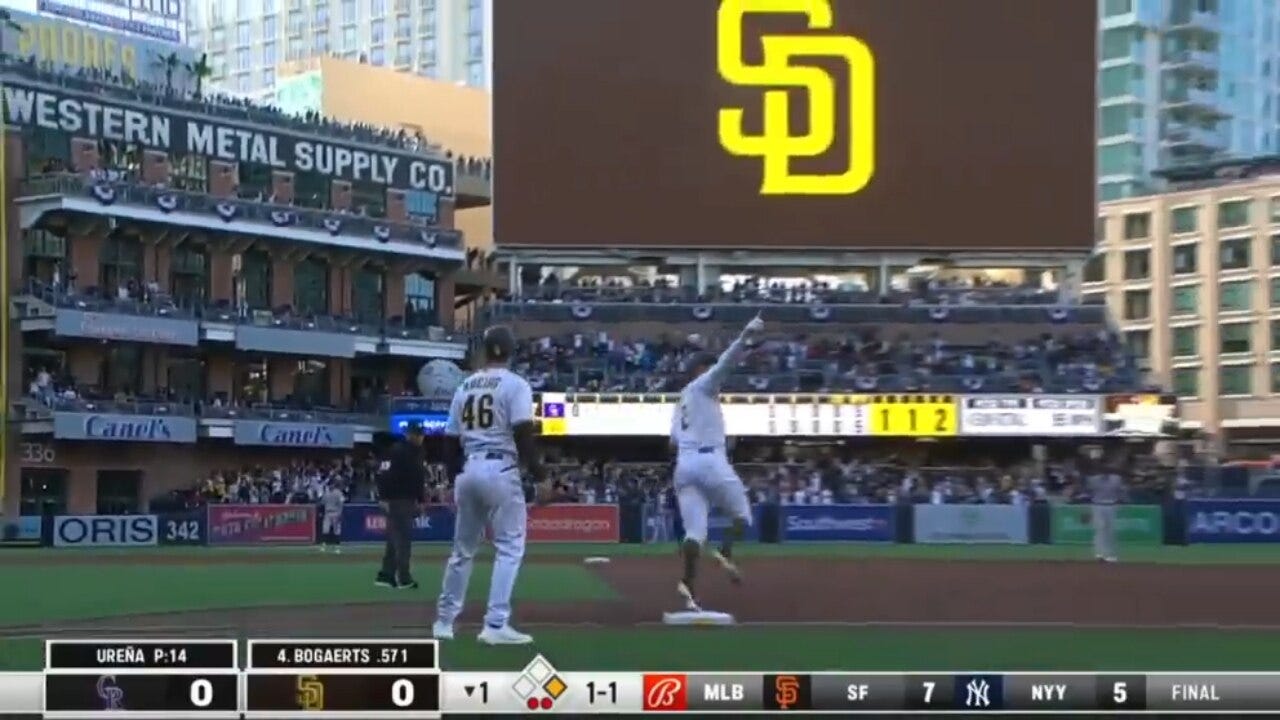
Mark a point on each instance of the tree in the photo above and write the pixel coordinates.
(7, 23)
(200, 71)
(169, 64)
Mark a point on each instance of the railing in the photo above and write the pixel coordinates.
(123, 407)
(280, 216)
(331, 416)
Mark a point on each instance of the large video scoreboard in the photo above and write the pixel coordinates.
(402, 678)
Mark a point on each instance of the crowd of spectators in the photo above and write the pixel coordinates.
(182, 92)
(848, 361)
(955, 477)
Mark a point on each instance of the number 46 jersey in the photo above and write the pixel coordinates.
(485, 408)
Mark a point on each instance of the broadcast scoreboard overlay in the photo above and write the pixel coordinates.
(856, 415)
(395, 678)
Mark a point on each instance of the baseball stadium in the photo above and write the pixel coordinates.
(222, 319)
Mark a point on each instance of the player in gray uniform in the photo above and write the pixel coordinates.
(331, 503)
(704, 478)
(1106, 490)
(492, 435)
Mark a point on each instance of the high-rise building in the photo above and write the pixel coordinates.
(246, 40)
(1184, 81)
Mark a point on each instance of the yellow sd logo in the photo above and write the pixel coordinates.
(776, 145)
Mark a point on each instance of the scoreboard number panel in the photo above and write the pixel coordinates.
(914, 415)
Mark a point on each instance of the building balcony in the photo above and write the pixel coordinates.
(1191, 139)
(1196, 102)
(1195, 23)
(127, 199)
(91, 314)
(1194, 62)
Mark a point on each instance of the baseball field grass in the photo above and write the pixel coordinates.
(241, 592)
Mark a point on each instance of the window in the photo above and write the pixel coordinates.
(350, 13)
(1233, 254)
(349, 38)
(295, 49)
(419, 300)
(367, 294)
(378, 31)
(403, 55)
(188, 274)
(1186, 341)
(1139, 342)
(1185, 220)
(242, 59)
(378, 56)
(1186, 382)
(475, 74)
(404, 27)
(118, 491)
(1235, 296)
(1234, 338)
(322, 41)
(475, 47)
(1095, 268)
(1233, 214)
(475, 16)
(255, 280)
(1185, 259)
(321, 16)
(269, 77)
(427, 50)
(311, 287)
(269, 27)
(1235, 380)
(377, 8)
(268, 6)
(119, 263)
(1137, 226)
(1273, 209)
(243, 36)
(1275, 378)
(427, 69)
(1100, 229)
(295, 22)
(45, 255)
(1275, 250)
(1137, 265)
(269, 53)
(43, 491)
(121, 368)
(311, 383)
(1137, 304)
(1117, 7)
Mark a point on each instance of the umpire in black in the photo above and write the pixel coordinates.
(401, 491)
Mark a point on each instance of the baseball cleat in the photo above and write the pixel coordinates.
(1109, 559)
(442, 631)
(384, 581)
(324, 549)
(505, 635)
(735, 573)
(686, 592)
(407, 585)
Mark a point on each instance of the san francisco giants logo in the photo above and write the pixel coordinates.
(776, 146)
(786, 691)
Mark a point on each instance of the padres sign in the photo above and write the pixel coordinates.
(779, 72)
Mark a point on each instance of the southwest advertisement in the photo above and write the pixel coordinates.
(1135, 525)
(971, 524)
(1232, 521)
(367, 523)
(262, 524)
(835, 523)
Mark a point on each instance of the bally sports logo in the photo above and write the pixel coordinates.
(669, 693)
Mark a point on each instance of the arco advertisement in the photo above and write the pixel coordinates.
(1135, 525)
(1233, 521)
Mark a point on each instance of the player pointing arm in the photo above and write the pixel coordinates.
(713, 378)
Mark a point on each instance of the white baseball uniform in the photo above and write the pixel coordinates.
(332, 502)
(485, 408)
(1105, 492)
(704, 478)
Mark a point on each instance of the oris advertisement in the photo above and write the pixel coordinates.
(105, 531)
(871, 124)
(1031, 415)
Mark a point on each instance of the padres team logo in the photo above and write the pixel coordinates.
(776, 146)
